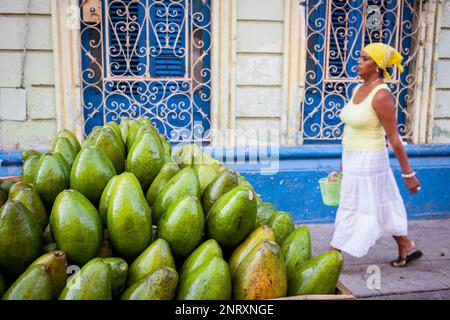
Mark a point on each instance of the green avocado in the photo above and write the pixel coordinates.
(123, 125)
(202, 255)
(67, 150)
(76, 227)
(52, 177)
(232, 217)
(56, 261)
(259, 234)
(157, 255)
(119, 269)
(92, 282)
(133, 128)
(167, 147)
(263, 213)
(168, 159)
(29, 153)
(246, 183)
(206, 173)
(160, 284)
(317, 276)
(188, 155)
(296, 249)
(6, 185)
(146, 157)
(282, 224)
(116, 128)
(69, 135)
(112, 146)
(91, 172)
(29, 169)
(30, 199)
(184, 183)
(261, 274)
(90, 139)
(165, 174)
(16, 187)
(20, 238)
(34, 284)
(221, 184)
(182, 226)
(129, 218)
(104, 199)
(145, 121)
(210, 281)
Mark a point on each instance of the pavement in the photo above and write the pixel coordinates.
(372, 277)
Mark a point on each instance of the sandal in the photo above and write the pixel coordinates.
(402, 262)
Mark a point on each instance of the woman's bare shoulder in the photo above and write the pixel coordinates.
(383, 99)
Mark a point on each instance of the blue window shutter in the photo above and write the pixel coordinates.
(119, 12)
(169, 58)
(167, 37)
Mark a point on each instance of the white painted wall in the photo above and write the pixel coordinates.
(441, 117)
(259, 70)
(257, 99)
(27, 98)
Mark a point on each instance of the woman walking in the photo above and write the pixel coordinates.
(370, 203)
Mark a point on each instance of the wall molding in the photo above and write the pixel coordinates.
(305, 152)
(66, 48)
(423, 107)
(293, 71)
(223, 72)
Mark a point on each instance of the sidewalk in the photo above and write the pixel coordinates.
(426, 278)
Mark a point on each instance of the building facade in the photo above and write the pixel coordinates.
(228, 73)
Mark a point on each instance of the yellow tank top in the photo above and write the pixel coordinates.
(363, 130)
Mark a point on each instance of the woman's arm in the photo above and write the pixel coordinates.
(384, 106)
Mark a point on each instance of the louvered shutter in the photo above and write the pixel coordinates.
(125, 40)
(168, 39)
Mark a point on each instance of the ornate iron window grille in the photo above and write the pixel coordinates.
(148, 58)
(336, 32)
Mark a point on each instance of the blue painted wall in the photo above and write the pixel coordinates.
(294, 186)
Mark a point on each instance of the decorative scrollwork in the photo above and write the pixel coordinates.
(336, 32)
(149, 58)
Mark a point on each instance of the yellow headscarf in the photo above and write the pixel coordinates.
(384, 56)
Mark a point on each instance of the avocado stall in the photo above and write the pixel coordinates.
(142, 221)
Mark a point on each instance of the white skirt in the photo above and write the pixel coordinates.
(370, 204)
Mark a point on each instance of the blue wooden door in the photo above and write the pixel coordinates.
(149, 58)
(337, 30)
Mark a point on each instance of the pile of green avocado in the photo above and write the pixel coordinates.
(127, 217)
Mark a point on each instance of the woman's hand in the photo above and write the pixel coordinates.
(412, 184)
